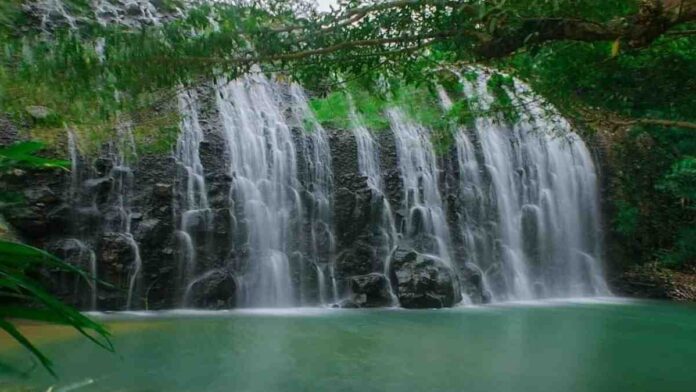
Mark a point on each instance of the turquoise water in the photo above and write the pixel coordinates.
(548, 346)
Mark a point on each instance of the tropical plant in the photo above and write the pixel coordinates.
(21, 296)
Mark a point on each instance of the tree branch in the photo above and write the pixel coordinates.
(350, 45)
(658, 122)
(654, 19)
(354, 15)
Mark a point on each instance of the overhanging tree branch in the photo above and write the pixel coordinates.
(657, 122)
(654, 19)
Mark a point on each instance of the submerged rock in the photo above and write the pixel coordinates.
(422, 281)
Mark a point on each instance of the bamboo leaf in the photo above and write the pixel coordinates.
(21, 339)
(22, 256)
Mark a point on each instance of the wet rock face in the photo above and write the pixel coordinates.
(116, 255)
(42, 213)
(358, 210)
(71, 287)
(472, 284)
(370, 291)
(422, 281)
(51, 219)
(8, 132)
(213, 291)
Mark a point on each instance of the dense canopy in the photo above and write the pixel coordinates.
(624, 68)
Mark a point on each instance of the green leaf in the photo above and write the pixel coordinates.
(21, 339)
(22, 256)
(67, 314)
(14, 260)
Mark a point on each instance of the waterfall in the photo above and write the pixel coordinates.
(129, 13)
(514, 204)
(120, 214)
(316, 156)
(265, 188)
(132, 13)
(47, 9)
(114, 212)
(193, 196)
(385, 235)
(530, 213)
(425, 224)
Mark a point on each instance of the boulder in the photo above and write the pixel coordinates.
(214, 290)
(423, 281)
(370, 291)
(38, 112)
(163, 191)
(346, 304)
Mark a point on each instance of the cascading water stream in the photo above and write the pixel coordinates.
(265, 187)
(369, 166)
(122, 12)
(474, 203)
(542, 209)
(522, 201)
(193, 195)
(130, 13)
(120, 200)
(85, 252)
(316, 155)
(115, 211)
(424, 224)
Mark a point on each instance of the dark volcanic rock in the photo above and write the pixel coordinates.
(422, 281)
(370, 291)
(214, 290)
(69, 286)
(116, 254)
(355, 260)
(8, 132)
(41, 212)
(472, 284)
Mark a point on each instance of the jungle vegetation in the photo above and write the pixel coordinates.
(621, 71)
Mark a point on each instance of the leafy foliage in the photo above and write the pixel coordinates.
(630, 60)
(681, 181)
(22, 298)
(22, 155)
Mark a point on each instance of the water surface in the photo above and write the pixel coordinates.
(544, 346)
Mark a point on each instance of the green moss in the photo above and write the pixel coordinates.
(370, 108)
(332, 111)
(158, 137)
(420, 104)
